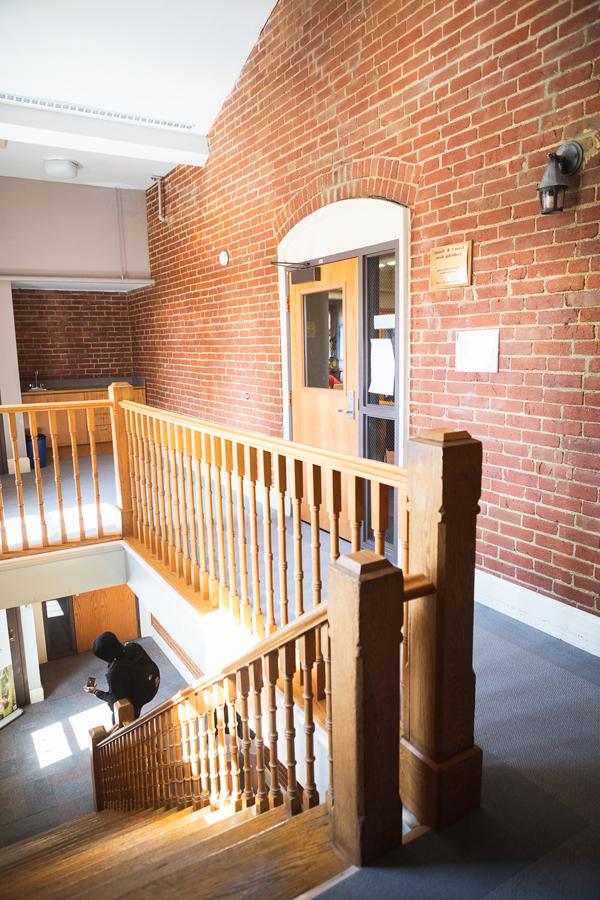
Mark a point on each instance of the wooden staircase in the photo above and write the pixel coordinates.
(175, 853)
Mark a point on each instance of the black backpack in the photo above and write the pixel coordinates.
(145, 677)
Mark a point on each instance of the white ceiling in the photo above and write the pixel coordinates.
(175, 60)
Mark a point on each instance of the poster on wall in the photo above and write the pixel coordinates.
(8, 699)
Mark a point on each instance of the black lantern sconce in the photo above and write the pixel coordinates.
(552, 188)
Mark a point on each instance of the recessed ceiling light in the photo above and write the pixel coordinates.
(61, 168)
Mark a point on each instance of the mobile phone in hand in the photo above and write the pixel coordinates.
(91, 682)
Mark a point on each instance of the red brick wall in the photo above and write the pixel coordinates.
(450, 108)
(72, 335)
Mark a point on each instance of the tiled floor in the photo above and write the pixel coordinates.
(44, 761)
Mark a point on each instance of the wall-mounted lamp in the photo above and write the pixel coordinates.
(223, 258)
(552, 188)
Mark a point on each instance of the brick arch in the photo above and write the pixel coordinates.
(376, 177)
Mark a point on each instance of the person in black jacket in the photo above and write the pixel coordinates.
(129, 671)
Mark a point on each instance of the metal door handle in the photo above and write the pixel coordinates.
(349, 408)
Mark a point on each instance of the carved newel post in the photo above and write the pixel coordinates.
(440, 764)
(365, 621)
(116, 393)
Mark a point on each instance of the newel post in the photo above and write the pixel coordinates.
(96, 735)
(440, 764)
(365, 622)
(116, 393)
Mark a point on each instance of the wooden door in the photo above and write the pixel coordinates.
(324, 359)
(112, 609)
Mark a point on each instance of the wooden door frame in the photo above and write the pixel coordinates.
(17, 655)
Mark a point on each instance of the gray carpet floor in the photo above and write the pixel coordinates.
(537, 834)
(44, 760)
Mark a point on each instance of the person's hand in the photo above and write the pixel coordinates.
(89, 690)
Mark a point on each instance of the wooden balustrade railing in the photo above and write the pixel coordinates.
(251, 522)
(247, 737)
(62, 503)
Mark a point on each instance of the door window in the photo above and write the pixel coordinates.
(324, 339)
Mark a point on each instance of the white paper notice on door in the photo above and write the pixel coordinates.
(383, 367)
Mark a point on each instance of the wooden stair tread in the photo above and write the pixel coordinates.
(95, 864)
(145, 868)
(280, 863)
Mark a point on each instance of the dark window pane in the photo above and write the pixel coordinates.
(323, 339)
(380, 444)
(380, 328)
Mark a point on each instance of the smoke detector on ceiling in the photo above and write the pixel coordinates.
(61, 168)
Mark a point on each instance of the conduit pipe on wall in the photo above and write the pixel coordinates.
(158, 179)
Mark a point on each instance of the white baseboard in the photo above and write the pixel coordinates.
(24, 465)
(567, 623)
(36, 695)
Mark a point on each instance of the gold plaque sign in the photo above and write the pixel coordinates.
(450, 266)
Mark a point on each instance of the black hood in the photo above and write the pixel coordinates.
(107, 646)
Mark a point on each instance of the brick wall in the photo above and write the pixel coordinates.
(72, 335)
(450, 108)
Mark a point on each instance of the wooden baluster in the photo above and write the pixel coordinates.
(98, 765)
(239, 469)
(403, 529)
(287, 666)
(203, 751)
(307, 653)
(296, 490)
(234, 600)
(194, 752)
(134, 463)
(256, 683)
(183, 511)
(3, 538)
(271, 674)
(196, 439)
(174, 482)
(76, 477)
(243, 689)
(213, 753)
(164, 440)
(280, 468)
(131, 467)
(156, 519)
(12, 424)
(157, 762)
(217, 459)
(91, 427)
(151, 487)
(229, 688)
(379, 514)
(164, 756)
(333, 493)
(213, 586)
(258, 625)
(144, 479)
(158, 486)
(33, 430)
(57, 479)
(267, 480)
(219, 706)
(185, 740)
(356, 509)
(190, 506)
(314, 501)
(178, 759)
(326, 647)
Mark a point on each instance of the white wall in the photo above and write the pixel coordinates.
(10, 385)
(57, 229)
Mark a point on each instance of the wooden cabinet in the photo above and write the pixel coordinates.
(102, 416)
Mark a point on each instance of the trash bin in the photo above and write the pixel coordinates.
(41, 442)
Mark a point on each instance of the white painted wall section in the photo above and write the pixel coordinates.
(32, 661)
(69, 230)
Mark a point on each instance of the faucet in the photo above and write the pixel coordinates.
(36, 386)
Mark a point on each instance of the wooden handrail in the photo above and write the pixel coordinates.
(55, 406)
(285, 635)
(370, 470)
(414, 586)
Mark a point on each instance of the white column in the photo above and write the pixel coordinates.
(32, 660)
(10, 385)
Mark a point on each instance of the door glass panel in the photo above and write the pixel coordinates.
(380, 444)
(381, 329)
(324, 340)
